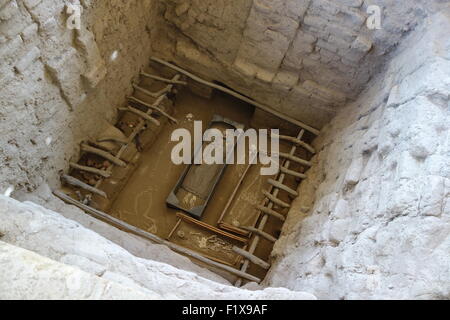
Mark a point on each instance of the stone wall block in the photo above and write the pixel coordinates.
(297, 9)
(10, 49)
(95, 65)
(30, 4)
(354, 171)
(23, 64)
(13, 22)
(46, 9)
(65, 70)
(9, 10)
(29, 34)
(432, 196)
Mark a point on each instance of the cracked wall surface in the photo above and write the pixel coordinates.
(83, 264)
(373, 217)
(305, 58)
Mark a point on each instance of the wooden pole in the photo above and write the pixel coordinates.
(281, 186)
(260, 233)
(292, 173)
(295, 159)
(103, 154)
(295, 141)
(154, 107)
(275, 200)
(271, 212)
(149, 236)
(239, 96)
(141, 114)
(113, 139)
(174, 229)
(251, 257)
(152, 76)
(149, 93)
(78, 183)
(103, 173)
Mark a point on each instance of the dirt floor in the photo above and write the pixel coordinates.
(142, 202)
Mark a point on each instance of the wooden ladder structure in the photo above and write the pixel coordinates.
(145, 117)
(266, 208)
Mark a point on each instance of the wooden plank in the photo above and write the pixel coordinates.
(275, 200)
(281, 186)
(103, 173)
(78, 183)
(271, 212)
(210, 228)
(149, 236)
(251, 257)
(239, 96)
(103, 154)
(260, 233)
(174, 229)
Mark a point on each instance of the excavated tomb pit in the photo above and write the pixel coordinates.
(359, 208)
(134, 186)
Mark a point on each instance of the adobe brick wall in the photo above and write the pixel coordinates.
(59, 85)
(307, 58)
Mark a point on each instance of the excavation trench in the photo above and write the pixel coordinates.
(246, 210)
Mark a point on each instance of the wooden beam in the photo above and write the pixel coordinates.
(141, 114)
(251, 257)
(281, 186)
(260, 233)
(151, 76)
(295, 141)
(295, 159)
(103, 173)
(103, 154)
(275, 200)
(153, 107)
(239, 96)
(292, 173)
(149, 236)
(271, 212)
(80, 184)
(174, 229)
